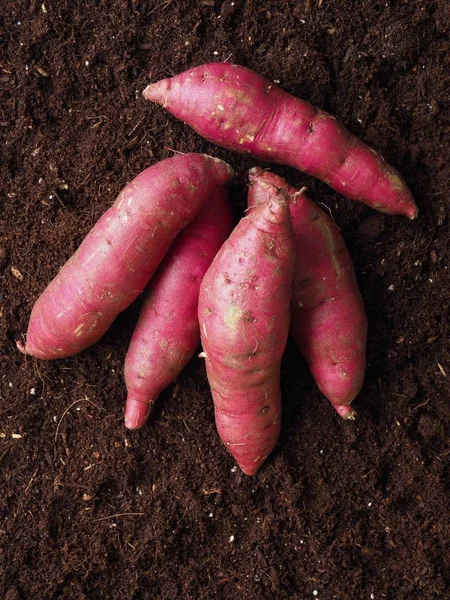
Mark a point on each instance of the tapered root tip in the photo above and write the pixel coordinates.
(249, 467)
(230, 170)
(22, 347)
(255, 172)
(346, 412)
(136, 413)
(351, 416)
(156, 92)
(410, 208)
(250, 472)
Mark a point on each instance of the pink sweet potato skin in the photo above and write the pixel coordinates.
(118, 256)
(244, 323)
(167, 333)
(328, 320)
(240, 110)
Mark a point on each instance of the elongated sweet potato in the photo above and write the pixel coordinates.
(328, 321)
(244, 321)
(118, 256)
(167, 333)
(240, 110)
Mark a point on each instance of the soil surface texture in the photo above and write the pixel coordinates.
(341, 510)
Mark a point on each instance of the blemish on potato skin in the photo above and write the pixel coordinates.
(303, 282)
(395, 180)
(331, 299)
(331, 245)
(79, 330)
(249, 318)
(278, 270)
(274, 421)
(120, 199)
(232, 316)
(256, 370)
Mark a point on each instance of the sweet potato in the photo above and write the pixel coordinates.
(167, 333)
(328, 321)
(118, 256)
(234, 107)
(244, 322)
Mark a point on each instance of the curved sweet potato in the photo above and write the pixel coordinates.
(328, 321)
(244, 321)
(236, 108)
(167, 333)
(118, 256)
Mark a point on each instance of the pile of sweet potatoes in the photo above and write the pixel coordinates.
(283, 270)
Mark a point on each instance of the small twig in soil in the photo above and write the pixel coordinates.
(441, 369)
(31, 481)
(130, 133)
(69, 407)
(174, 151)
(420, 405)
(98, 118)
(165, 4)
(121, 515)
(29, 275)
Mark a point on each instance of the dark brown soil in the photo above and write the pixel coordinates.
(341, 510)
